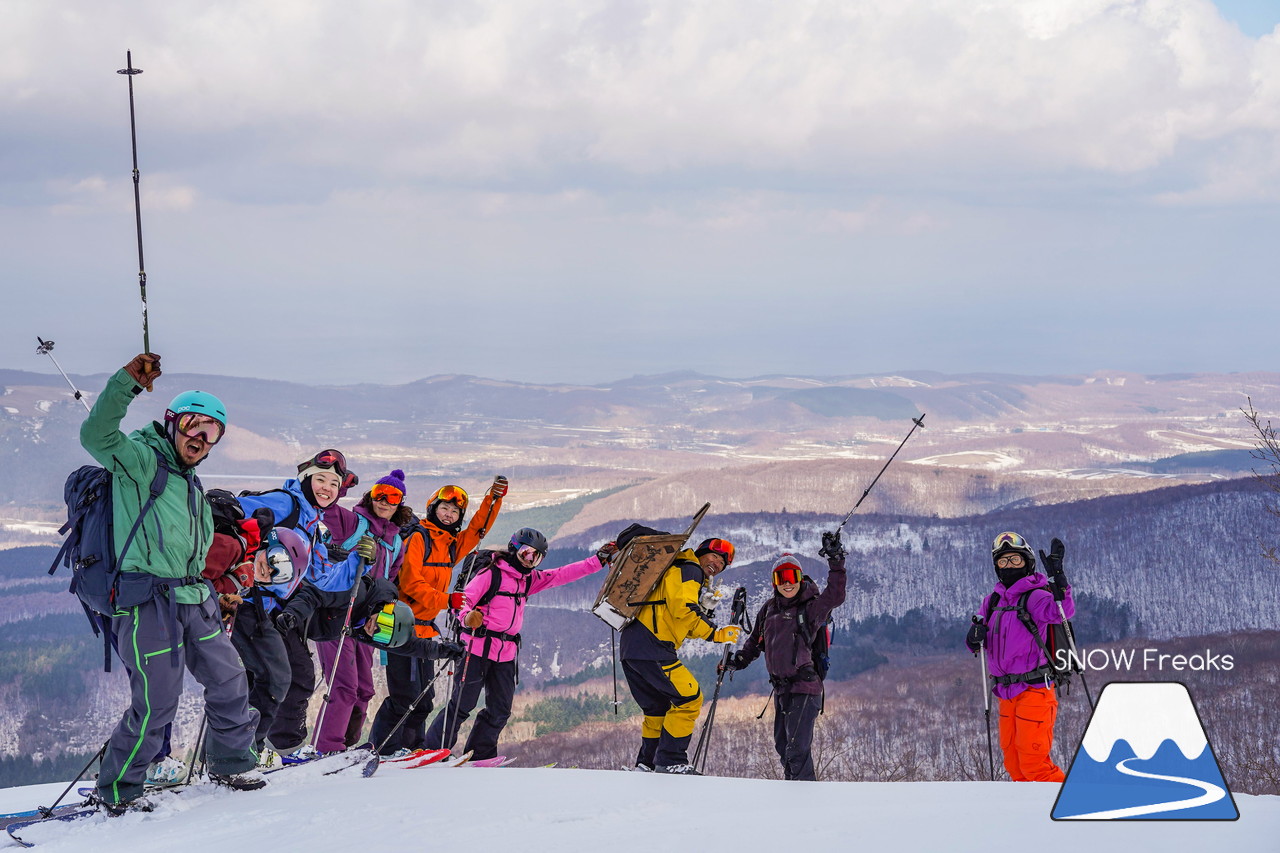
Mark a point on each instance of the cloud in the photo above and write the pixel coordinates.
(461, 93)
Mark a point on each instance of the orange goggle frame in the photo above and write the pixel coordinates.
(723, 547)
(455, 495)
(387, 494)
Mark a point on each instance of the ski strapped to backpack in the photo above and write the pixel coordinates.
(89, 551)
(1058, 667)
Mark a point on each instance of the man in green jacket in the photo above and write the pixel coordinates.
(164, 613)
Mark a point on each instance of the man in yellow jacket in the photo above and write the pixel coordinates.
(663, 687)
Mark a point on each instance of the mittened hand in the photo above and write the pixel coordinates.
(144, 369)
(474, 619)
(1053, 563)
(832, 547)
(606, 552)
(367, 548)
(456, 601)
(727, 634)
(266, 520)
(287, 622)
(499, 488)
(228, 602)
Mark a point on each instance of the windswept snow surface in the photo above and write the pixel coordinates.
(565, 809)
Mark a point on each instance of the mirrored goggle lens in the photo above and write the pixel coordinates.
(196, 425)
(722, 547)
(280, 564)
(453, 494)
(786, 574)
(1009, 540)
(387, 494)
(529, 555)
(384, 625)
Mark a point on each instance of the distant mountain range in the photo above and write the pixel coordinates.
(559, 442)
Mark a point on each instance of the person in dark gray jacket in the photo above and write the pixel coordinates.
(785, 631)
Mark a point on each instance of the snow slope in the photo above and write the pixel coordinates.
(569, 810)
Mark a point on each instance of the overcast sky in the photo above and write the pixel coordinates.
(582, 191)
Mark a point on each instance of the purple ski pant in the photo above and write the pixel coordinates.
(349, 694)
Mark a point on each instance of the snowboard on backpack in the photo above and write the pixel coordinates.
(636, 571)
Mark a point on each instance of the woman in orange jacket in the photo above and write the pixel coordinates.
(431, 551)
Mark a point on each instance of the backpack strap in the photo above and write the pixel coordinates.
(362, 527)
(1024, 615)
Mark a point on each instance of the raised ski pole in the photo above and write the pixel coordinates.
(917, 423)
(986, 703)
(337, 658)
(737, 617)
(129, 71)
(46, 348)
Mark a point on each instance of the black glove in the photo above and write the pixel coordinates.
(449, 650)
(832, 548)
(1053, 566)
(266, 520)
(337, 554)
(287, 623)
(977, 636)
(733, 663)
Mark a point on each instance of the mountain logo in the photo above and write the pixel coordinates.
(1145, 756)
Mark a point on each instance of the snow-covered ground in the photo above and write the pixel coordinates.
(569, 810)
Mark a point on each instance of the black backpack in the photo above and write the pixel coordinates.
(480, 561)
(89, 549)
(1056, 644)
(819, 641)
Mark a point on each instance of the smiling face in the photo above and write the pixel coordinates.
(382, 509)
(789, 590)
(712, 564)
(447, 513)
(325, 485)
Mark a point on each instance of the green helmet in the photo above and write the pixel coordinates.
(393, 625)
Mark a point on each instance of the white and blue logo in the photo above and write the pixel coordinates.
(1145, 756)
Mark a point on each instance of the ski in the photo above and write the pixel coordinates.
(427, 756)
(62, 813)
(329, 765)
(455, 761)
(38, 812)
(496, 761)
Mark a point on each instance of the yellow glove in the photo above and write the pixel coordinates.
(727, 634)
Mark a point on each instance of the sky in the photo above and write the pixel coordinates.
(584, 191)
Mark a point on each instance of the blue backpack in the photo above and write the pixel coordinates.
(89, 550)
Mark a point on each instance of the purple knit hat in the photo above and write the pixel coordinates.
(395, 480)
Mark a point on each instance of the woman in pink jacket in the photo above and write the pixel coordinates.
(492, 613)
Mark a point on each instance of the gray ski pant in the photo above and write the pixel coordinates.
(156, 685)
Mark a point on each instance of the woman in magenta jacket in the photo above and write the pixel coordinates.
(492, 614)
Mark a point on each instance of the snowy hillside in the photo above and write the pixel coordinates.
(594, 810)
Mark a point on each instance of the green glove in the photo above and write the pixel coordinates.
(367, 548)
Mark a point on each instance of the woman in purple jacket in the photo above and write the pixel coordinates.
(785, 630)
(1022, 676)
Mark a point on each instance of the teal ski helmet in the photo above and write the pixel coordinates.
(200, 402)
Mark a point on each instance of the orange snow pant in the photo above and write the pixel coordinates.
(1026, 735)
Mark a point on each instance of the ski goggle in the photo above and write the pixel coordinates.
(787, 574)
(455, 495)
(384, 624)
(279, 562)
(334, 460)
(723, 547)
(196, 425)
(1006, 541)
(387, 494)
(529, 555)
